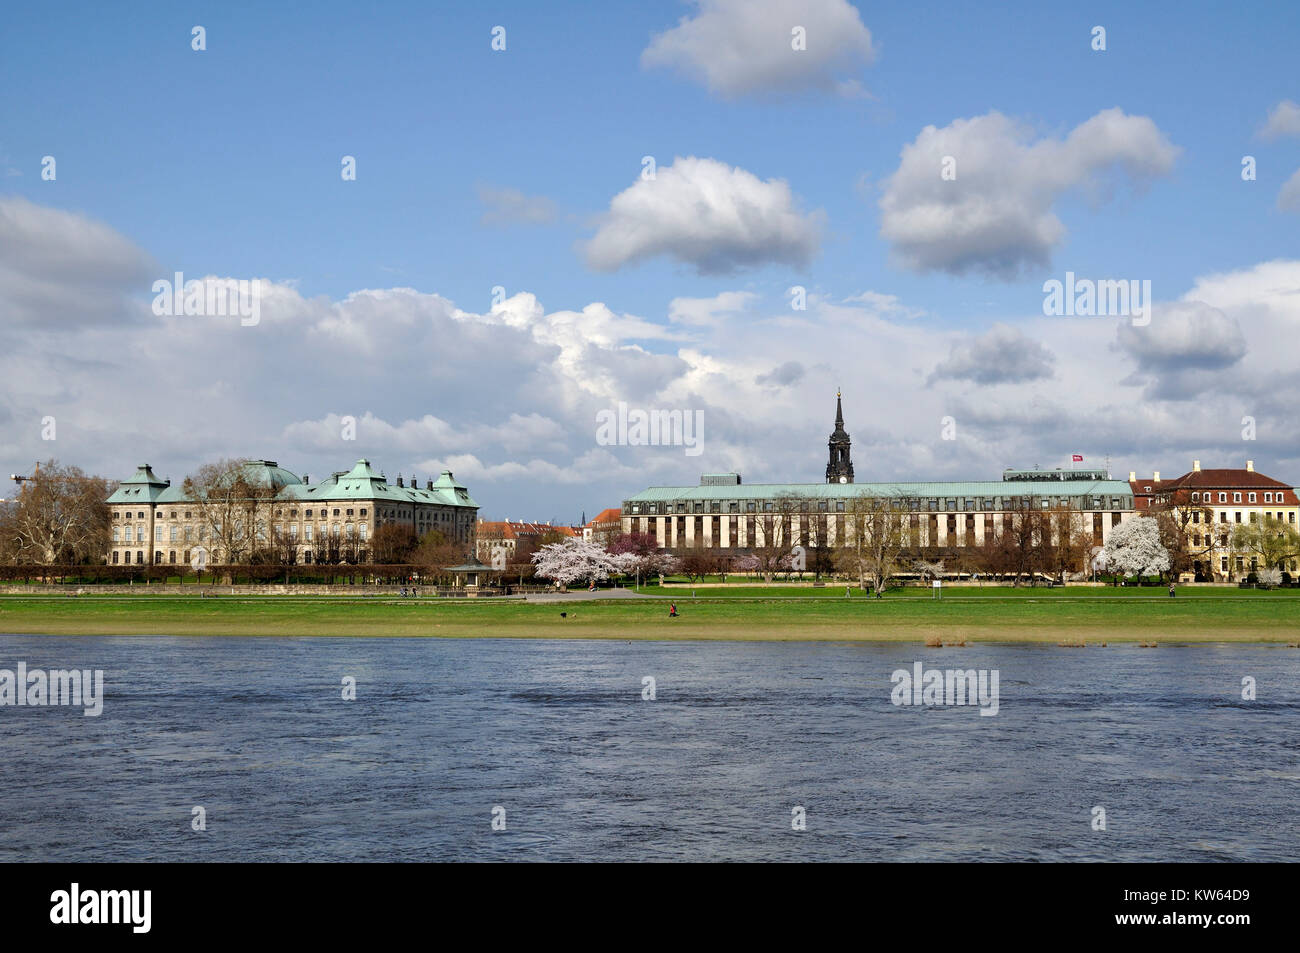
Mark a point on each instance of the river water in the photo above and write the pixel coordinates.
(555, 739)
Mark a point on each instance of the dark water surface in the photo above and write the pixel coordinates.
(556, 732)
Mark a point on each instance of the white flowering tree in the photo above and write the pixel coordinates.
(573, 560)
(1134, 548)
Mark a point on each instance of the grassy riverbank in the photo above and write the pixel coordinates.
(1020, 615)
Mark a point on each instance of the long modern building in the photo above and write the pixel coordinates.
(153, 521)
(725, 513)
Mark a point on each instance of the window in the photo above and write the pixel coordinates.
(171, 557)
(117, 533)
(1268, 497)
(336, 512)
(363, 532)
(306, 532)
(349, 512)
(1252, 498)
(363, 512)
(1236, 497)
(1223, 498)
(115, 557)
(1196, 497)
(308, 514)
(157, 534)
(1238, 516)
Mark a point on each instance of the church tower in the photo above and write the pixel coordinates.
(839, 469)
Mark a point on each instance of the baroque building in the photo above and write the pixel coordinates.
(1209, 505)
(155, 522)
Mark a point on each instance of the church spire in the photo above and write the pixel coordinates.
(839, 468)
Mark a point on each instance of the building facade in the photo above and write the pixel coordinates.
(1209, 505)
(724, 513)
(498, 542)
(155, 522)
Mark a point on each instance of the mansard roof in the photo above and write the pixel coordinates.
(362, 482)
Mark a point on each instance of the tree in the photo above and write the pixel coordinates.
(232, 510)
(1270, 540)
(775, 531)
(1134, 547)
(437, 553)
(59, 517)
(572, 560)
(1069, 546)
(1026, 536)
(697, 563)
(393, 543)
(876, 534)
(1181, 521)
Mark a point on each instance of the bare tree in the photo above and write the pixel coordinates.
(1069, 543)
(233, 511)
(59, 517)
(876, 534)
(776, 537)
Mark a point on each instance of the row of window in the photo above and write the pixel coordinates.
(1251, 497)
(950, 504)
(124, 558)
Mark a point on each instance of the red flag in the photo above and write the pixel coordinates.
(1077, 458)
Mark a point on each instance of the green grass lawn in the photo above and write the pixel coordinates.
(778, 613)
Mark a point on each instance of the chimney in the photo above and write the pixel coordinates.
(428, 484)
(1155, 477)
(1250, 466)
(306, 478)
(399, 480)
(1132, 476)
(1196, 466)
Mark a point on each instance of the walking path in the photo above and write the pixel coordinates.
(580, 595)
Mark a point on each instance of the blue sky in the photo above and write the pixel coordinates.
(226, 162)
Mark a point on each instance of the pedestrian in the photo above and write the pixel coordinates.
(672, 610)
(1172, 593)
(846, 592)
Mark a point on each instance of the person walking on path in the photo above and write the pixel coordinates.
(672, 610)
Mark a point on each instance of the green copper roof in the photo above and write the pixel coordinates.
(362, 482)
(843, 491)
(142, 487)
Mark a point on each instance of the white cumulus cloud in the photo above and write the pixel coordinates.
(712, 216)
(749, 47)
(996, 216)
